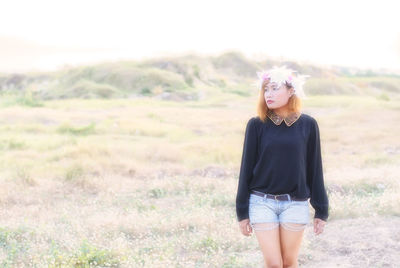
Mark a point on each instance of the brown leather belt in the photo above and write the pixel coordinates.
(282, 197)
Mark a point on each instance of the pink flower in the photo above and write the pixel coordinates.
(265, 76)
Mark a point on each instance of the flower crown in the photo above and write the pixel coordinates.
(283, 75)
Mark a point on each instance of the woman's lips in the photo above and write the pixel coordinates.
(270, 101)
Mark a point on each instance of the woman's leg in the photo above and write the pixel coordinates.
(268, 238)
(293, 220)
(291, 235)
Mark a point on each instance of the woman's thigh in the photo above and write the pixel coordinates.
(265, 222)
(269, 241)
(293, 219)
(278, 244)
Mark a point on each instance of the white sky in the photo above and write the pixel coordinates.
(46, 34)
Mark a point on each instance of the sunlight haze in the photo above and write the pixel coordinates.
(44, 35)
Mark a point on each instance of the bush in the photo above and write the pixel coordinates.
(84, 89)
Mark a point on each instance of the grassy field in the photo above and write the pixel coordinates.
(144, 182)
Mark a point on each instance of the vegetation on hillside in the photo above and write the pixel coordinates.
(189, 77)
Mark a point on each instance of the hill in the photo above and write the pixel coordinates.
(188, 77)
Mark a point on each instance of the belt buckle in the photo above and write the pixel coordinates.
(287, 195)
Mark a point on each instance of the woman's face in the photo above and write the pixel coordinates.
(275, 96)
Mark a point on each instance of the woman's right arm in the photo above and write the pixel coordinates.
(249, 158)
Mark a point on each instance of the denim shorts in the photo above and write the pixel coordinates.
(266, 213)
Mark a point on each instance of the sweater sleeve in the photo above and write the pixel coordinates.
(248, 162)
(315, 180)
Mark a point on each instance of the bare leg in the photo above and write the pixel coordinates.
(268, 237)
(291, 235)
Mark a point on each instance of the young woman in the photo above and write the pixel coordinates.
(281, 168)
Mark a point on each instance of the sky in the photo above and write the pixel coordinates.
(48, 34)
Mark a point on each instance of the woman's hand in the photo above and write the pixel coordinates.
(319, 225)
(245, 227)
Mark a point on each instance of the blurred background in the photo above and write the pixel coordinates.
(122, 127)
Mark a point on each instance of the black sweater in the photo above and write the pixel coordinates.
(280, 159)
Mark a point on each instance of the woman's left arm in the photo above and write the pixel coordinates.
(315, 179)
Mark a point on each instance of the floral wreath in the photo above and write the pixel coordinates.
(283, 75)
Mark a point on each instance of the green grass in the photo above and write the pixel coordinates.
(80, 131)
